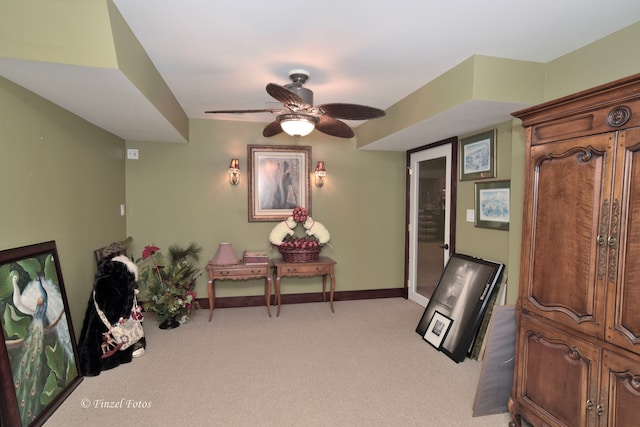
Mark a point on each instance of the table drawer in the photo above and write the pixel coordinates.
(245, 271)
(305, 269)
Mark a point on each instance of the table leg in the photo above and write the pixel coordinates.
(333, 287)
(324, 286)
(277, 286)
(267, 293)
(211, 290)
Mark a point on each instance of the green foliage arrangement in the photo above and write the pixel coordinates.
(170, 281)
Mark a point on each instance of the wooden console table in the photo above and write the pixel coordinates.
(238, 272)
(323, 266)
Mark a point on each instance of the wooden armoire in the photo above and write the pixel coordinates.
(578, 312)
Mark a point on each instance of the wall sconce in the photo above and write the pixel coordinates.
(320, 174)
(234, 172)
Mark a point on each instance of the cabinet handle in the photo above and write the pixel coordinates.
(612, 242)
(600, 410)
(589, 405)
(604, 229)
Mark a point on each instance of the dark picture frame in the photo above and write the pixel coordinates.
(478, 156)
(462, 294)
(437, 329)
(38, 350)
(492, 204)
(279, 180)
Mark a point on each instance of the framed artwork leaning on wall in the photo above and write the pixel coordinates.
(38, 356)
(459, 303)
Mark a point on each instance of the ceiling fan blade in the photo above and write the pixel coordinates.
(272, 129)
(334, 127)
(351, 111)
(258, 110)
(286, 97)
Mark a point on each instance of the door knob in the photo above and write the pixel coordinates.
(445, 246)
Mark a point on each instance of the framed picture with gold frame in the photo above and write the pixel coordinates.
(278, 181)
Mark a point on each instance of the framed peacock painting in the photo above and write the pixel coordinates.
(38, 357)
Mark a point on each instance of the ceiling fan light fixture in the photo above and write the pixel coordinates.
(297, 125)
(298, 115)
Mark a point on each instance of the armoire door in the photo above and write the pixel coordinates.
(619, 403)
(558, 375)
(623, 315)
(568, 207)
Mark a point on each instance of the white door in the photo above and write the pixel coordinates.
(430, 216)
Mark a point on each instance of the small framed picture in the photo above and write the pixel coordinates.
(478, 156)
(492, 204)
(437, 329)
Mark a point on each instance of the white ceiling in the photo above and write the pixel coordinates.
(220, 54)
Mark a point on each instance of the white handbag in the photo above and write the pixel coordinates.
(124, 333)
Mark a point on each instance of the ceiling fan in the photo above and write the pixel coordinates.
(299, 116)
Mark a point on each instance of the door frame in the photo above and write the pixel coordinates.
(452, 215)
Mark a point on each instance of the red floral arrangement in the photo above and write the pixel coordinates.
(295, 248)
(300, 243)
(299, 215)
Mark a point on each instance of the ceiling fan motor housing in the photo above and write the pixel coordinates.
(302, 92)
(298, 78)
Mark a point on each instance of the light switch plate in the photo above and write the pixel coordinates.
(471, 215)
(132, 153)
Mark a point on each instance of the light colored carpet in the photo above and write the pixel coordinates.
(364, 365)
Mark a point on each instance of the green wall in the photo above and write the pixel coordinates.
(497, 245)
(482, 77)
(61, 179)
(484, 242)
(605, 60)
(478, 79)
(178, 193)
(71, 32)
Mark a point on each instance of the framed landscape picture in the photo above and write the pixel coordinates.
(278, 181)
(38, 356)
(492, 204)
(478, 156)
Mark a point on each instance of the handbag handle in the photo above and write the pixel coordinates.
(101, 313)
